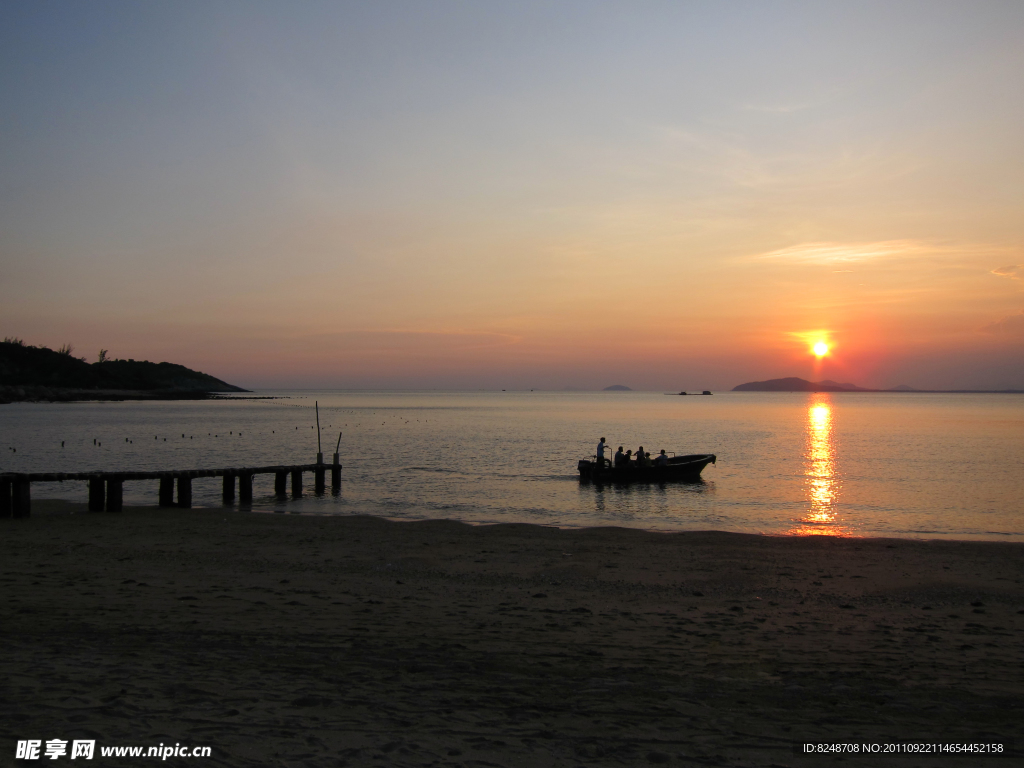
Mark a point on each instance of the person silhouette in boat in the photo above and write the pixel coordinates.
(619, 458)
(602, 462)
(641, 458)
(662, 460)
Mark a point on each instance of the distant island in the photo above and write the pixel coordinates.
(41, 374)
(794, 384)
(617, 388)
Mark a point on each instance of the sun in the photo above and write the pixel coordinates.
(820, 349)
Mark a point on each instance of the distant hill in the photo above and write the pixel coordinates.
(617, 388)
(41, 373)
(847, 387)
(793, 384)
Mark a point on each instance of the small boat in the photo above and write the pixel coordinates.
(683, 468)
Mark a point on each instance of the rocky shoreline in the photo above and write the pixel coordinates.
(37, 394)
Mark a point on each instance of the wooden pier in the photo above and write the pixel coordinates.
(106, 488)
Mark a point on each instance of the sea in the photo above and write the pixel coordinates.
(910, 465)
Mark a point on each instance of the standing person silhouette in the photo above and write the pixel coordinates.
(601, 461)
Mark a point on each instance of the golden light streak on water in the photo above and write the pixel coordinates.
(821, 474)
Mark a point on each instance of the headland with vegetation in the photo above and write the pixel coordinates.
(41, 374)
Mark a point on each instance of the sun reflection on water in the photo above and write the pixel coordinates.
(821, 477)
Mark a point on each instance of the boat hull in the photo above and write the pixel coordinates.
(682, 468)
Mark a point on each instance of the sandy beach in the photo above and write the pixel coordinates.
(284, 640)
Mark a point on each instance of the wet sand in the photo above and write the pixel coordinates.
(283, 640)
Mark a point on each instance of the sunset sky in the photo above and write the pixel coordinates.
(514, 195)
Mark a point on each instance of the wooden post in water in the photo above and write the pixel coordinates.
(228, 494)
(166, 492)
(281, 484)
(185, 491)
(5, 498)
(97, 494)
(318, 479)
(336, 468)
(296, 483)
(244, 488)
(319, 450)
(21, 498)
(114, 494)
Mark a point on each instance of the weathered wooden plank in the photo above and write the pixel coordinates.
(154, 475)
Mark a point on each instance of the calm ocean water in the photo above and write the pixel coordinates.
(908, 465)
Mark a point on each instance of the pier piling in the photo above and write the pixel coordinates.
(185, 491)
(245, 488)
(281, 484)
(5, 498)
(336, 473)
(115, 497)
(97, 494)
(21, 498)
(166, 494)
(228, 494)
(296, 483)
(318, 479)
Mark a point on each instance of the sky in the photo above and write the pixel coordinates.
(550, 195)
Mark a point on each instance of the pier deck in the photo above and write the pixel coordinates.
(105, 488)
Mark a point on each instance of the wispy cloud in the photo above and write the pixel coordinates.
(826, 253)
(1011, 325)
(1012, 271)
(843, 255)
